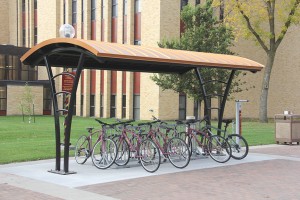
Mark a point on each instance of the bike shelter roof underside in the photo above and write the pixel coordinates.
(90, 54)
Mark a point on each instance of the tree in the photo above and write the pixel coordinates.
(27, 102)
(266, 22)
(202, 33)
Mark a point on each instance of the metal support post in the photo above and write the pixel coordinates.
(68, 121)
(56, 114)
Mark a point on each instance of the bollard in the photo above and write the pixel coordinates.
(238, 116)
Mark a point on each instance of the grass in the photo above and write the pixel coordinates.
(23, 141)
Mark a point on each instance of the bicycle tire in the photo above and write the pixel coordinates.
(149, 155)
(178, 153)
(239, 146)
(123, 154)
(219, 149)
(82, 152)
(104, 153)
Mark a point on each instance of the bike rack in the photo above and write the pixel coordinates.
(85, 54)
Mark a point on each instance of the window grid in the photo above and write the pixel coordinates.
(182, 106)
(3, 98)
(113, 105)
(123, 106)
(183, 3)
(12, 69)
(92, 105)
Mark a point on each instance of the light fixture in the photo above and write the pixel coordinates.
(66, 31)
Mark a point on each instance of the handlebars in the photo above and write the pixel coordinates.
(114, 124)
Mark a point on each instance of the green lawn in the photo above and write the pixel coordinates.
(23, 141)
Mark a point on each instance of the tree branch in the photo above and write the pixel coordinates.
(287, 23)
(261, 42)
(271, 11)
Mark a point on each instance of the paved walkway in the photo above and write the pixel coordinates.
(268, 172)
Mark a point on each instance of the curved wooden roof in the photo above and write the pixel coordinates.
(113, 56)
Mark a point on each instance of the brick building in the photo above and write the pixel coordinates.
(130, 94)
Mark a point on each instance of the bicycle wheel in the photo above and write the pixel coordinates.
(123, 155)
(219, 149)
(104, 153)
(178, 153)
(82, 150)
(149, 155)
(239, 146)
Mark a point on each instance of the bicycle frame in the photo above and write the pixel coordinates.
(152, 134)
(125, 137)
(193, 133)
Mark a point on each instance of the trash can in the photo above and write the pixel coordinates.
(287, 128)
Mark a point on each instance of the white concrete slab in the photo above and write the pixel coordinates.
(88, 174)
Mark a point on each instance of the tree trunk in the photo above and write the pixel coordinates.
(263, 107)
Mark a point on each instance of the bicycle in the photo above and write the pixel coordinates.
(144, 149)
(103, 152)
(213, 145)
(238, 143)
(174, 148)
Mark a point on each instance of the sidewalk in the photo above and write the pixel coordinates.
(268, 172)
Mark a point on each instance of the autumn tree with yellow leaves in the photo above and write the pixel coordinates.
(266, 22)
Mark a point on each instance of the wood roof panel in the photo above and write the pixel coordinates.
(149, 59)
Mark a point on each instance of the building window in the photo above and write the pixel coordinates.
(183, 3)
(12, 69)
(35, 4)
(196, 109)
(182, 106)
(124, 106)
(222, 10)
(82, 11)
(137, 23)
(113, 105)
(28, 73)
(101, 105)
(47, 101)
(197, 2)
(92, 105)
(81, 105)
(3, 100)
(74, 12)
(93, 10)
(137, 6)
(136, 107)
(125, 21)
(102, 9)
(125, 7)
(23, 5)
(137, 42)
(64, 11)
(114, 8)
(35, 35)
(24, 37)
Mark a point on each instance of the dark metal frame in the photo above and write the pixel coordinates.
(69, 110)
(45, 58)
(224, 96)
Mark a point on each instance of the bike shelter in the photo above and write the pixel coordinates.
(89, 54)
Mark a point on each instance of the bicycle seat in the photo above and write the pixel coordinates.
(227, 121)
(89, 129)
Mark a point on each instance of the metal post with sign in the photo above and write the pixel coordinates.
(238, 116)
